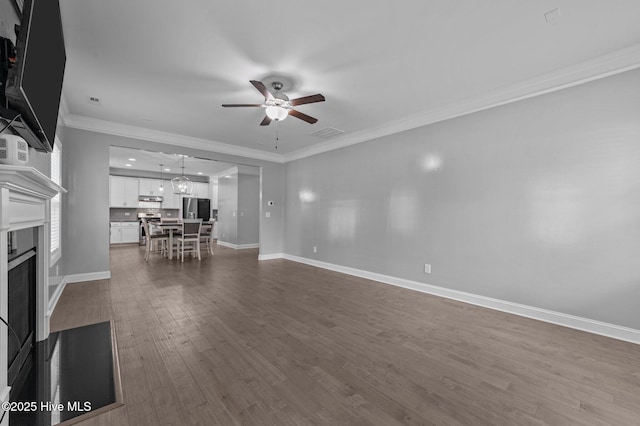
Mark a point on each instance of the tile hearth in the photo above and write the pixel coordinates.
(74, 375)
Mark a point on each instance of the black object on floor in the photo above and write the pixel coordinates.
(73, 374)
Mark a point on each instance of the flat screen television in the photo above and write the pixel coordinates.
(34, 84)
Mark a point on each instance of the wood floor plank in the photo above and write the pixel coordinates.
(229, 340)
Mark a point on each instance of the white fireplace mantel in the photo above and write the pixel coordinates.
(25, 202)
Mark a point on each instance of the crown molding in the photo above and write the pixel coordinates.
(63, 110)
(108, 127)
(604, 66)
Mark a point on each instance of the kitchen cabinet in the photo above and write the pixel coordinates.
(124, 232)
(123, 191)
(115, 233)
(151, 187)
(130, 232)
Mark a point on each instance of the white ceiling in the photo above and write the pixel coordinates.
(167, 66)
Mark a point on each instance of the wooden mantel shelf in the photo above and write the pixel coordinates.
(28, 181)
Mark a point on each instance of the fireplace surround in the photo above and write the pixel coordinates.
(25, 202)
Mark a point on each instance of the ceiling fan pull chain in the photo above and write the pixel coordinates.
(277, 139)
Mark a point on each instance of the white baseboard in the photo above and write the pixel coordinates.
(92, 276)
(559, 318)
(53, 298)
(238, 246)
(270, 256)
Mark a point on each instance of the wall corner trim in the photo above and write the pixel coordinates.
(90, 276)
(238, 246)
(584, 324)
(270, 256)
(55, 297)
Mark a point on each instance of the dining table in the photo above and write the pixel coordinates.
(170, 228)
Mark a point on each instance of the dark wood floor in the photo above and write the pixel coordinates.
(230, 340)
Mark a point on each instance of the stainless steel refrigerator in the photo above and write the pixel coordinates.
(196, 208)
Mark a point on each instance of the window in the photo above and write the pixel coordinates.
(56, 159)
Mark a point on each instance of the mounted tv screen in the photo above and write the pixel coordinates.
(34, 84)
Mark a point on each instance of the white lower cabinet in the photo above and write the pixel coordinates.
(116, 233)
(124, 232)
(130, 232)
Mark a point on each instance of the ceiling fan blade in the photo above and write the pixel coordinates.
(266, 121)
(307, 100)
(241, 105)
(303, 117)
(262, 89)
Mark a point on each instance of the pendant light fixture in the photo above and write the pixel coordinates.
(161, 189)
(182, 184)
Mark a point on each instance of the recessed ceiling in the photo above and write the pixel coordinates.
(168, 66)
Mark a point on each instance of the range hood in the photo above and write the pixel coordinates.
(150, 198)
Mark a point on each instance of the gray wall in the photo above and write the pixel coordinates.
(239, 209)
(86, 176)
(228, 209)
(535, 202)
(248, 209)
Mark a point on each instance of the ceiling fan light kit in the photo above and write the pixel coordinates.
(276, 112)
(278, 106)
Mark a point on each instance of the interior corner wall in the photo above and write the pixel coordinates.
(248, 209)
(228, 209)
(85, 223)
(536, 202)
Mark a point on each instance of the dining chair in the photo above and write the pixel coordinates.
(160, 238)
(206, 234)
(190, 234)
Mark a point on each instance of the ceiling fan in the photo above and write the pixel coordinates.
(278, 106)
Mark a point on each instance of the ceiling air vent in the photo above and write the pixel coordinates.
(327, 132)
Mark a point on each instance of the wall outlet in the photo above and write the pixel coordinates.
(127, 214)
(168, 214)
(427, 268)
(315, 249)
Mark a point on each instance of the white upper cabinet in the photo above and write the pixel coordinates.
(123, 191)
(151, 187)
